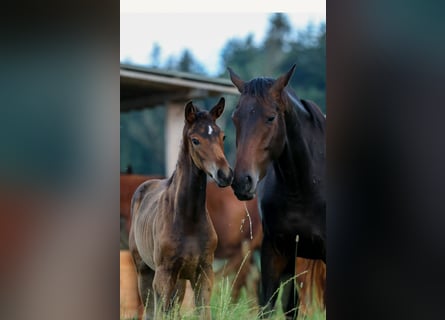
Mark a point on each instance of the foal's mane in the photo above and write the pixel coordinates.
(200, 115)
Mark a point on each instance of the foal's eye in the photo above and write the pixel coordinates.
(224, 138)
(270, 119)
(195, 141)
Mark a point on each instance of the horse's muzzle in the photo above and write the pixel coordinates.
(242, 187)
(244, 196)
(224, 179)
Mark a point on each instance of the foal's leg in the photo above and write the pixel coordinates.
(272, 267)
(179, 292)
(202, 289)
(167, 290)
(145, 277)
(145, 284)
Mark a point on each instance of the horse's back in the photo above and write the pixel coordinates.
(146, 192)
(144, 206)
(145, 199)
(128, 185)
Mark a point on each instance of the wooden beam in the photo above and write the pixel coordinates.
(180, 82)
(150, 100)
(153, 100)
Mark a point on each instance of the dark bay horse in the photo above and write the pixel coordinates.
(172, 238)
(280, 155)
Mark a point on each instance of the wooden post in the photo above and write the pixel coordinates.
(173, 133)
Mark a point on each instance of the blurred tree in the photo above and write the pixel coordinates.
(187, 63)
(139, 148)
(155, 56)
(171, 63)
(240, 55)
(308, 52)
(275, 46)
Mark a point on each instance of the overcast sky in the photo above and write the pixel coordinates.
(205, 34)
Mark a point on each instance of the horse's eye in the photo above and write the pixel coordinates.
(270, 119)
(224, 138)
(195, 141)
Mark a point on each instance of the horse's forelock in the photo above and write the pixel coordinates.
(258, 87)
(203, 115)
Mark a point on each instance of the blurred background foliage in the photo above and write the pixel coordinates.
(142, 132)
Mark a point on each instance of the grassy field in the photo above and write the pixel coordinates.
(245, 309)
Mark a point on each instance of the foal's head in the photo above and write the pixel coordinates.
(205, 142)
(260, 129)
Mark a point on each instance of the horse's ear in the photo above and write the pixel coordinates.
(190, 112)
(236, 80)
(217, 110)
(282, 82)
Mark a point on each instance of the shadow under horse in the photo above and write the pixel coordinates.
(172, 238)
(280, 156)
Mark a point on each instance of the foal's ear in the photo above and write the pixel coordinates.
(217, 110)
(281, 82)
(236, 80)
(190, 112)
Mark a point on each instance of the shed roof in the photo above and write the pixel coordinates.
(142, 87)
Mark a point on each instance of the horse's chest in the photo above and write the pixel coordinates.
(189, 254)
(187, 242)
(191, 247)
(286, 217)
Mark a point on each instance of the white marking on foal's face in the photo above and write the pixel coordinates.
(210, 130)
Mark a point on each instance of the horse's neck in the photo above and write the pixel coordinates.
(190, 189)
(294, 165)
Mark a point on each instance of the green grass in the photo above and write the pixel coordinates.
(223, 308)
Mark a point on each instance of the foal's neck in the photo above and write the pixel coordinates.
(190, 192)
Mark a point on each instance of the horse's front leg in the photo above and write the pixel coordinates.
(290, 298)
(202, 289)
(272, 267)
(145, 285)
(165, 288)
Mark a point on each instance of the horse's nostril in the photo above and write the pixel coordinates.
(220, 174)
(224, 179)
(247, 182)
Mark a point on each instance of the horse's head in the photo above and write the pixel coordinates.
(260, 129)
(205, 142)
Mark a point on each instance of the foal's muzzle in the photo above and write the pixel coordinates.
(224, 179)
